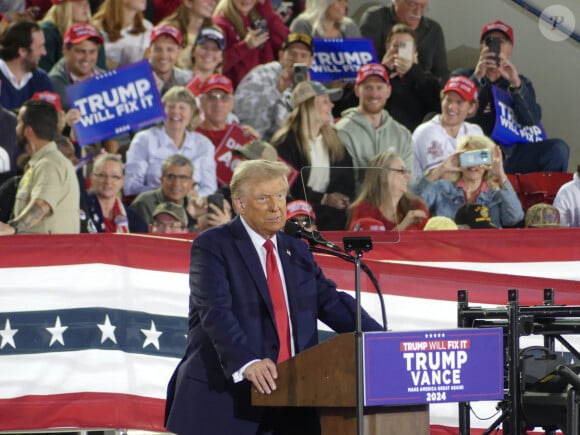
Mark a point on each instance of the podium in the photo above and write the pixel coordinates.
(324, 377)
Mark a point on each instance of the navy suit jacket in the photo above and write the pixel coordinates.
(231, 322)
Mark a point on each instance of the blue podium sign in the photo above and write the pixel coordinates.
(116, 102)
(417, 367)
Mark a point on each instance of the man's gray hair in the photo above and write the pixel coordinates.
(176, 160)
(256, 170)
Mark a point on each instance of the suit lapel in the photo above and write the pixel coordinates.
(249, 256)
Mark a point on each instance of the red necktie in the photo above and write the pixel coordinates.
(278, 301)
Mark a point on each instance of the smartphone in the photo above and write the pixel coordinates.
(284, 8)
(406, 50)
(300, 73)
(475, 158)
(217, 199)
(493, 44)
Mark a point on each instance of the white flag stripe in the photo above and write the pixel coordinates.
(569, 270)
(94, 285)
(85, 371)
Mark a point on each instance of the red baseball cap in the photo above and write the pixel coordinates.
(80, 32)
(463, 86)
(372, 69)
(168, 30)
(367, 224)
(299, 207)
(51, 97)
(498, 26)
(217, 81)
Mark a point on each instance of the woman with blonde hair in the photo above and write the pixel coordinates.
(309, 143)
(471, 183)
(384, 196)
(61, 15)
(254, 34)
(190, 17)
(126, 32)
(326, 19)
(175, 135)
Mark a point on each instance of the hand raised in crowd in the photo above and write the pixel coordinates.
(199, 209)
(448, 166)
(497, 165)
(399, 66)
(485, 62)
(262, 374)
(413, 217)
(256, 38)
(285, 78)
(250, 131)
(509, 72)
(336, 200)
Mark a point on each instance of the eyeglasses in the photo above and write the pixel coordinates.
(304, 223)
(180, 178)
(102, 176)
(415, 5)
(404, 171)
(218, 97)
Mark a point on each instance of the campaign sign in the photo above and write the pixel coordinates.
(507, 131)
(116, 102)
(226, 160)
(340, 59)
(418, 367)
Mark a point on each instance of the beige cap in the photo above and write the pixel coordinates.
(258, 149)
(542, 216)
(306, 90)
(173, 210)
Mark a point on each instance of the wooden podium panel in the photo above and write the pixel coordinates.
(378, 420)
(325, 377)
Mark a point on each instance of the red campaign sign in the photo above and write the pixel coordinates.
(234, 139)
(226, 161)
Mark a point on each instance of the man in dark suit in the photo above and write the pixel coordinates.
(233, 340)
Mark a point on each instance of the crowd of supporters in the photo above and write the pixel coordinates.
(388, 150)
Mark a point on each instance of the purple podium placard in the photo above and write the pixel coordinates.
(116, 102)
(416, 367)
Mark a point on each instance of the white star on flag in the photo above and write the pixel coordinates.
(57, 332)
(107, 331)
(152, 336)
(7, 335)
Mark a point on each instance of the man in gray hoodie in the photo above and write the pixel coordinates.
(368, 129)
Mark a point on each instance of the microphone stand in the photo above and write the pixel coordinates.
(358, 245)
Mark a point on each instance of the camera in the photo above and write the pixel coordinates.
(217, 199)
(493, 44)
(300, 73)
(475, 158)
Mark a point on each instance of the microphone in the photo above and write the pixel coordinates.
(314, 238)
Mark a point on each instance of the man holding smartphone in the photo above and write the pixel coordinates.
(262, 97)
(495, 69)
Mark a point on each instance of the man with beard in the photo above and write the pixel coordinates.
(21, 48)
(47, 200)
(79, 62)
(176, 184)
(368, 129)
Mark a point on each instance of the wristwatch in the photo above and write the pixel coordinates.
(14, 225)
